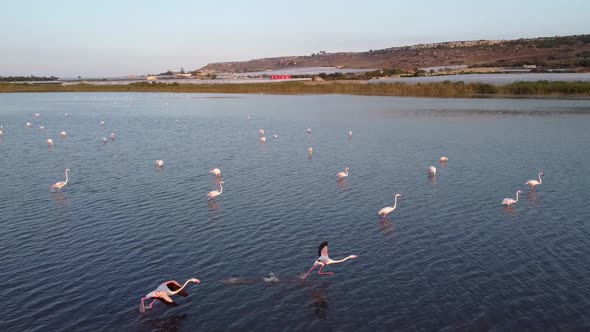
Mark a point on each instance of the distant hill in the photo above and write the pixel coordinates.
(559, 51)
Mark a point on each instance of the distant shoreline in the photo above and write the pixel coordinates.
(540, 89)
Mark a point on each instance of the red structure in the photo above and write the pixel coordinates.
(280, 77)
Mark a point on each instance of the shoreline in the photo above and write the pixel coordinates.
(540, 89)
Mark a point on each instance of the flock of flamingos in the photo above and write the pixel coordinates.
(165, 290)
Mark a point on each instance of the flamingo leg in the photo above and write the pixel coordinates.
(151, 304)
(142, 305)
(324, 273)
(305, 276)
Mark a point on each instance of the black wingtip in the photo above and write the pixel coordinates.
(322, 245)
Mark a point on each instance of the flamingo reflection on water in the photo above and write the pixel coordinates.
(388, 209)
(214, 193)
(324, 260)
(60, 184)
(164, 292)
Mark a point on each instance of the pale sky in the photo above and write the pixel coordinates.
(68, 38)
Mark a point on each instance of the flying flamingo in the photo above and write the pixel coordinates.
(216, 172)
(443, 159)
(49, 142)
(60, 184)
(164, 291)
(263, 139)
(159, 162)
(310, 151)
(388, 209)
(63, 134)
(29, 125)
(432, 171)
(350, 134)
(534, 183)
(343, 174)
(510, 201)
(214, 193)
(324, 260)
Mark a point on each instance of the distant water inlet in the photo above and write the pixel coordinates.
(449, 257)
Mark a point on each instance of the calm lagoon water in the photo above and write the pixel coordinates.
(450, 257)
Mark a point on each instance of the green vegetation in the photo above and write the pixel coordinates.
(355, 76)
(444, 89)
(31, 78)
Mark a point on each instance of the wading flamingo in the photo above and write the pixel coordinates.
(1, 132)
(510, 201)
(263, 139)
(443, 159)
(534, 183)
(249, 117)
(101, 123)
(261, 132)
(112, 136)
(49, 142)
(388, 209)
(275, 135)
(66, 115)
(432, 171)
(63, 134)
(214, 193)
(215, 171)
(350, 134)
(104, 140)
(37, 115)
(159, 162)
(343, 174)
(42, 128)
(164, 291)
(60, 185)
(29, 125)
(324, 260)
(309, 130)
(310, 151)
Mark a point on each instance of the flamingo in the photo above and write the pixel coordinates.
(214, 193)
(60, 184)
(324, 260)
(159, 162)
(104, 140)
(310, 151)
(1, 132)
(101, 123)
(63, 134)
(275, 135)
(534, 183)
(164, 291)
(343, 174)
(215, 171)
(261, 132)
(42, 128)
(350, 134)
(388, 209)
(432, 171)
(37, 115)
(309, 130)
(112, 136)
(29, 125)
(66, 115)
(510, 201)
(443, 159)
(249, 117)
(263, 139)
(49, 142)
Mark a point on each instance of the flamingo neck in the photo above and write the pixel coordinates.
(341, 260)
(181, 288)
(220, 188)
(66, 178)
(394, 203)
(346, 171)
(540, 179)
(516, 197)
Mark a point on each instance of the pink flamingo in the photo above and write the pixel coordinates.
(112, 136)
(309, 130)
(388, 209)
(159, 163)
(63, 134)
(261, 132)
(37, 115)
(104, 140)
(310, 151)
(534, 183)
(60, 184)
(443, 159)
(214, 193)
(41, 127)
(324, 260)
(263, 139)
(49, 142)
(164, 291)
(101, 123)
(350, 134)
(216, 172)
(432, 171)
(29, 125)
(510, 201)
(344, 174)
